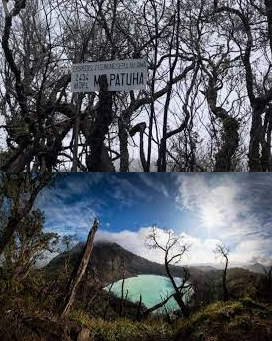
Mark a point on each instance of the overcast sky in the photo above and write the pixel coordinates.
(205, 209)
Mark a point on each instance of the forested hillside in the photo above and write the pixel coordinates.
(107, 261)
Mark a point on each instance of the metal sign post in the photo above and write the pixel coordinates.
(76, 133)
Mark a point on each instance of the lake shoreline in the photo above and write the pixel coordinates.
(152, 289)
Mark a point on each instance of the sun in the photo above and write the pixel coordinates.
(210, 216)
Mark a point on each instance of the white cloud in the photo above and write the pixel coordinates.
(150, 180)
(132, 241)
(70, 219)
(221, 206)
(227, 212)
(253, 250)
(200, 251)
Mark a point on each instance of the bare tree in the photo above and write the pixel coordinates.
(223, 251)
(173, 249)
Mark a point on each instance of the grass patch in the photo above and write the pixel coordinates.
(224, 321)
(121, 329)
(219, 311)
(241, 322)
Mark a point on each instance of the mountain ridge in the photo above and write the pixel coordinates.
(107, 261)
(108, 258)
(134, 264)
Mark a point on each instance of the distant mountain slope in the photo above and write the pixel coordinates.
(257, 267)
(107, 261)
(204, 267)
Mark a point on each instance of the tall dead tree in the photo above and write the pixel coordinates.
(173, 249)
(223, 251)
(79, 271)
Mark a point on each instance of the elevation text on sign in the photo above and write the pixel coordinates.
(122, 75)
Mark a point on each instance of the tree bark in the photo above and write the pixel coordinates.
(138, 314)
(225, 290)
(177, 295)
(140, 127)
(79, 271)
(254, 157)
(266, 140)
(100, 128)
(224, 157)
(123, 126)
(230, 125)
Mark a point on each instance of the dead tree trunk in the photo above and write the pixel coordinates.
(178, 290)
(79, 271)
(138, 314)
(225, 290)
(121, 307)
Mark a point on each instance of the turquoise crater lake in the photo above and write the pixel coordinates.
(153, 289)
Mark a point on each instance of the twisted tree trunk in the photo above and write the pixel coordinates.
(97, 161)
(224, 157)
(177, 295)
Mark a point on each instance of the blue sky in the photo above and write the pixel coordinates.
(232, 208)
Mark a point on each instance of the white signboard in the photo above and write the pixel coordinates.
(122, 75)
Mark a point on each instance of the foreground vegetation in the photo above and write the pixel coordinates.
(233, 320)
